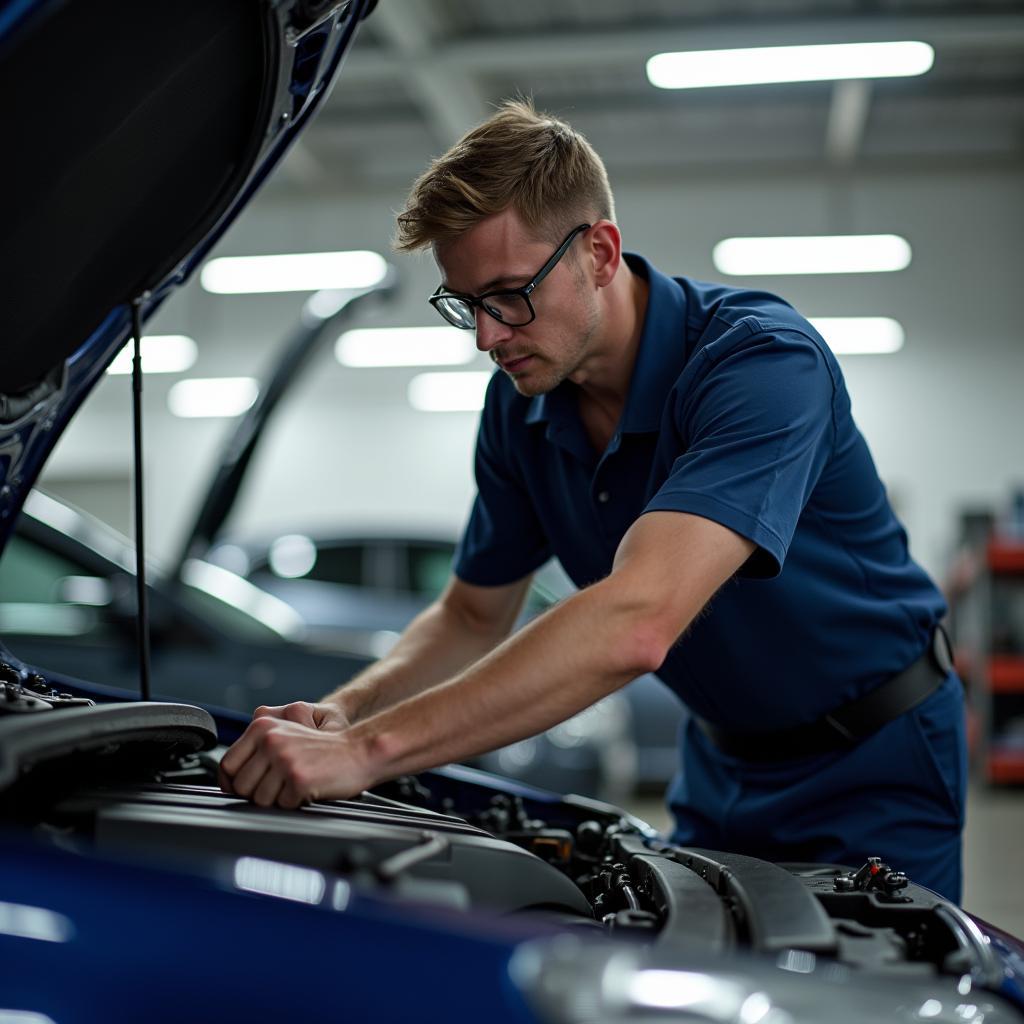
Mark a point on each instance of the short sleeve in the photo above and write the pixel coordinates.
(503, 540)
(758, 429)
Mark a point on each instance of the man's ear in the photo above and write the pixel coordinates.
(605, 250)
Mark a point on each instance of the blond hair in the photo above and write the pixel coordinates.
(533, 162)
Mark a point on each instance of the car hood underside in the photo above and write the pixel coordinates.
(138, 134)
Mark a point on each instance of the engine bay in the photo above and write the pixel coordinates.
(139, 781)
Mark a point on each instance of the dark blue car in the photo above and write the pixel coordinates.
(131, 887)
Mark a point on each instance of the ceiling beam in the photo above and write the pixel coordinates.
(445, 93)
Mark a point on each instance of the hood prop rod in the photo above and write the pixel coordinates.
(142, 613)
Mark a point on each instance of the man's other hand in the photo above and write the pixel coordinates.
(325, 715)
(292, 754)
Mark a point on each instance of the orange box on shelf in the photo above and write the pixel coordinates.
(1005, 556)
(1006, 766)
(1006, 673)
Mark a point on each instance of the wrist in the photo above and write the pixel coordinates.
(377, 752)
(348, 703)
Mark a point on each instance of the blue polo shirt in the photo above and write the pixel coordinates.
(737, 412)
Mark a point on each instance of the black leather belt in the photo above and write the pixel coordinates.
(850, 723)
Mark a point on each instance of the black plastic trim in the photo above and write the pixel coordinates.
(777, 909)
(495, 873)
(693, 912)
(29, 740)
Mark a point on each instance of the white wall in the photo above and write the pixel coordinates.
(943, 417)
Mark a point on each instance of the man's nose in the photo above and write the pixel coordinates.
(490, 333)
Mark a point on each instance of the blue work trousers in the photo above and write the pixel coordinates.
(898, 795)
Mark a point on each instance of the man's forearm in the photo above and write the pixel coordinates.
(567, 658)
(435, 646)
(561, 663)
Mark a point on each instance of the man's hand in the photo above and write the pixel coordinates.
(324, 715)
(292, 754)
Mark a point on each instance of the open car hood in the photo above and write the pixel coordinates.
(139, 133)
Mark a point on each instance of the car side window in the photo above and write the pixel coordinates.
(42, 593)
(339, 563)
(429, 569)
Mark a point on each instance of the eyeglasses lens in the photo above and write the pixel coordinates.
(457, 312)
(510, 308)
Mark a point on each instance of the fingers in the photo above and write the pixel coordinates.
(251, 774)
(300, 711)
(289, 797)
(279, 761)
(258, 768)
(270, 786)
(245, 746)
(317, 716)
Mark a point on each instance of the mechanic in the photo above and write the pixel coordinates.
(688, 453)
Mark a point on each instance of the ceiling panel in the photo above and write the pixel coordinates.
(425, 71)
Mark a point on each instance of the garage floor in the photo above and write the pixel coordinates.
(993, 845)
(993, 853)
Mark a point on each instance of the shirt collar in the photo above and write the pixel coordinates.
(660, 357)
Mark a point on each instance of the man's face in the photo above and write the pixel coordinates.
(499, 253)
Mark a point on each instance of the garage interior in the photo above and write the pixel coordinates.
(935, 159)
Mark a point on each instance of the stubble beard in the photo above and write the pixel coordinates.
(573, 349)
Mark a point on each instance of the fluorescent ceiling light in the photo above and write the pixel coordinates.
(860, 335)
(161, 353)
(212, 396)
(812, 254)
(293, 272)
(405, 346)
(449, 392)
(764, 65)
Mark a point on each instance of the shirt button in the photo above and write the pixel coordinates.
(603, 497)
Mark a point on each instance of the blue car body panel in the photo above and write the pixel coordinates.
(1010, 951)
(85, 939)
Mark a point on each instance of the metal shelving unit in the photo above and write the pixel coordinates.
(986, 593)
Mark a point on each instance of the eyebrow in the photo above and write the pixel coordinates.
(505, 281)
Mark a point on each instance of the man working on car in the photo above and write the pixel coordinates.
(688, 453)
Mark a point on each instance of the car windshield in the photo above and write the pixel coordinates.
(55, 585)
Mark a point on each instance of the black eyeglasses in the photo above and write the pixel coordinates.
(510, 306)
